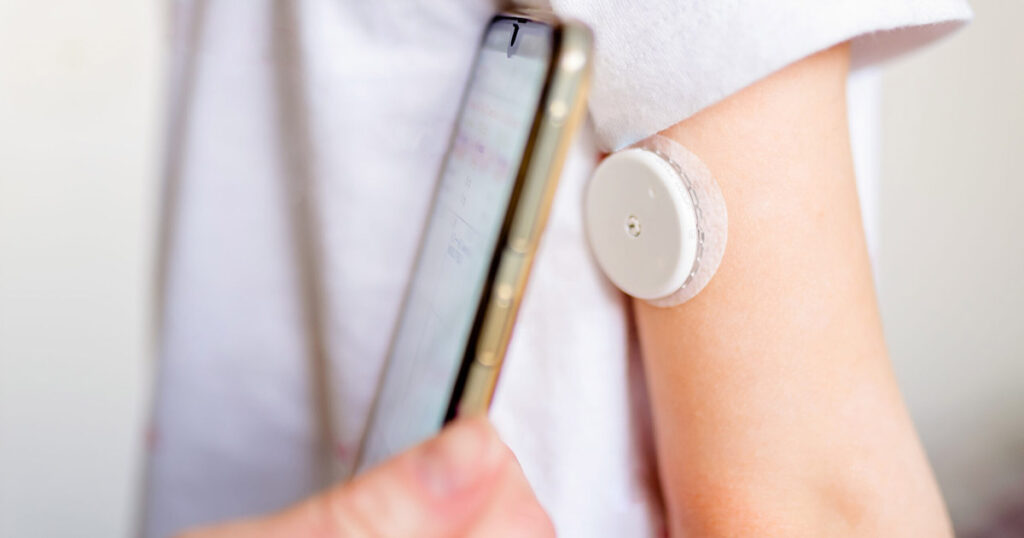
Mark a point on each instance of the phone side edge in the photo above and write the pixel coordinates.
(560, 117)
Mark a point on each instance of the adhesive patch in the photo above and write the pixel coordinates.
(656, 221)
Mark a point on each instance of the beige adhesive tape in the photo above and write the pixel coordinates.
(656, 221)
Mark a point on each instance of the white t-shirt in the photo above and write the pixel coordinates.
(349, 102)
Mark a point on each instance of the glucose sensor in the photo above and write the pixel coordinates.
(656, 221)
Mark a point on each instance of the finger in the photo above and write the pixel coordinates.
(436, 489)
(513, 510)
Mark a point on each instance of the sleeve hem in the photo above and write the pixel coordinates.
(657, 68)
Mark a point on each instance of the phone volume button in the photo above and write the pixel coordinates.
(503, 295)
(520, 245)
(487, 358)
(497, 324)
(557, 111)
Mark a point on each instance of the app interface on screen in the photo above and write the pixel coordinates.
(476, 184)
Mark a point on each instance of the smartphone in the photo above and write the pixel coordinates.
(522, 104)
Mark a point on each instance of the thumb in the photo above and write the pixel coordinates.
(438, 489)
(435, 489)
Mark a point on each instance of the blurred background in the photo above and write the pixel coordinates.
(81, 121)
(951, 259)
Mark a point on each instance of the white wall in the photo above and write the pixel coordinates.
(952, 256)
(79, 104)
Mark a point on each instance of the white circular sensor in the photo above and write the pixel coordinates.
(641, 224)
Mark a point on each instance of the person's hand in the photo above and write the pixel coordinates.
(465, 482)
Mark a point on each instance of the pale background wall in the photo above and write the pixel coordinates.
(79, 103)
(80, 88)
(952, 253)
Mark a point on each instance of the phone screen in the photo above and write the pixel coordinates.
(476, 184)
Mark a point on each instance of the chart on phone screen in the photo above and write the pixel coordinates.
(474, 188)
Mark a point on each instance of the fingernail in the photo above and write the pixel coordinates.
(457, 459)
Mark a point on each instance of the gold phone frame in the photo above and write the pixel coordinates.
(558, 117)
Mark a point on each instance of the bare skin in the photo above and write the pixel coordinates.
(465, 482)
(775, 408)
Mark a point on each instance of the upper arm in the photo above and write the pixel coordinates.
(774, 405)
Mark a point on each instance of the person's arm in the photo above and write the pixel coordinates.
(775, 408)
(465, 482)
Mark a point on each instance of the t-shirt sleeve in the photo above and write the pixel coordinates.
(658, 62)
